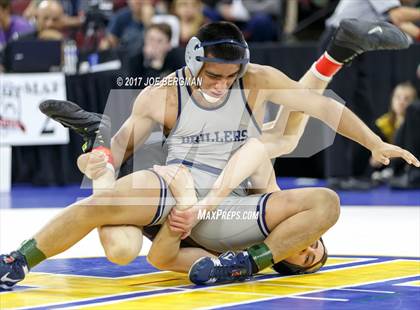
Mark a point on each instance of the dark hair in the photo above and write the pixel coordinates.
(285, 268)
(5, 4)
(219, 31)
(165, 28)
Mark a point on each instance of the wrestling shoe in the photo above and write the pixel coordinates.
(93, 127)
(13, 269)
(358, 36)
(228, 267)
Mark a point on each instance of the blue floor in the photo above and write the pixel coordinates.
(392, 293)
(27, 196)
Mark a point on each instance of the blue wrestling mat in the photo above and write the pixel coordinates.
(346, 282)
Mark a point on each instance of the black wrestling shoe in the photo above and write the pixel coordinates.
(229, 267)
(354, 37)
(93, 127)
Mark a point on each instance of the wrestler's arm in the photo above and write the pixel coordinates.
(253, 158)
(148, 109)
(137, 128)
(243, 163)
(282, 90)
(255, 153)
(282, 135)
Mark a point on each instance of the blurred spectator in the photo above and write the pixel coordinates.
(126, 28)
(49, 21)
(173, 22)
(402, 96)
(400, 126)
(346, 163)
(73, 15)
(19, 6)
(408, 137)
(48, 27)
(163, 6)
(156, 58)
(191, 18)
(96, 17)
(390, 10)
(255, 18)
(290, 17)
(304, 19)
(386, 126)
(11, 25)
(118, 4)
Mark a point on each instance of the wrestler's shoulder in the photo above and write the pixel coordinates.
(259, 76)
(165, 90)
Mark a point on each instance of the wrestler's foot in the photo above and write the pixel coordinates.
(93, 127)
(228, 267)
(13, 269)
(180, 182)
(354, 37)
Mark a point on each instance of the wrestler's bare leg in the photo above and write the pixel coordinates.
(124, 205)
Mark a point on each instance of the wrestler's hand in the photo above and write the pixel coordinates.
(180, 182)
(383, 152)
(92, 164)
(181, 185)
(183, 221)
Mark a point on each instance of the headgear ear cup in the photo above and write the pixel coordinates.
(194, 50)
(244, 66)
(194, 55)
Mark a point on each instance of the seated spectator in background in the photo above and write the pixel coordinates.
(408, 136)
(402, 96)
(155, 59)
(126, 28)
(48, 21)
(388, 127)
(48, 27)
(254, 18)
(191, 18)
(11, 27)
(72, 17)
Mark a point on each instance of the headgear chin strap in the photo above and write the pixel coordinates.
(286, 268)
(195, 57)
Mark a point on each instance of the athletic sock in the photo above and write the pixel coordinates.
(32, 254)
(326, 67)
(260, 256)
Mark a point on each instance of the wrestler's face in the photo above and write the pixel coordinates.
(308, 256)
(217, 78)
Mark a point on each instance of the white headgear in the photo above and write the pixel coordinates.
(195, 58)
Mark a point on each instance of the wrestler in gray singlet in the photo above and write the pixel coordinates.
(204, 139)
